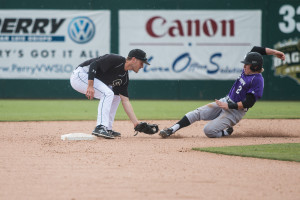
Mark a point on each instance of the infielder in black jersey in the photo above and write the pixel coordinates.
(228, 111)
(106, 78)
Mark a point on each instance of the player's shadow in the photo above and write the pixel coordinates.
(181, 136)
(260, 134)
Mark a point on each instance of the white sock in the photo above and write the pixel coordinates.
(175, 128)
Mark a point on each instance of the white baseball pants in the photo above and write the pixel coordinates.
(109, 102)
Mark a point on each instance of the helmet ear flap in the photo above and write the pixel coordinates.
(255, 68)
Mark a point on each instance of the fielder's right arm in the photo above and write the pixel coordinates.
(129, 110)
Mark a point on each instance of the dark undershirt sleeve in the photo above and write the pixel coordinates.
(92, 71)
(261, 50)
(249, 101)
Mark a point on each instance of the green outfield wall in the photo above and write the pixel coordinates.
(280, 28)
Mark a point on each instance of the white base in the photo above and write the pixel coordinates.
(78, 136)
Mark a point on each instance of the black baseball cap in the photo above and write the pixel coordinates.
(139, 54)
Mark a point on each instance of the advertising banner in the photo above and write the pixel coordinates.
(49, 44)
(286, 25)
(190, 44)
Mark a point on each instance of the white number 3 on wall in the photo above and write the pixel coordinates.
(289, 23)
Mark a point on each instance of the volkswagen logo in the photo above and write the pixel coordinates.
(81, 29)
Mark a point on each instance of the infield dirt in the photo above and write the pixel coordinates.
(36, 164)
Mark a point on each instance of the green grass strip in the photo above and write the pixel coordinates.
(284, 152)
(41, 110)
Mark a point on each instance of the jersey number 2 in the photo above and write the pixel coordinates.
(239, 89)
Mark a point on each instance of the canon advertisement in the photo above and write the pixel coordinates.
(190, 45)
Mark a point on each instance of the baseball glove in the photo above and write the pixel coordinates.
(144, 127)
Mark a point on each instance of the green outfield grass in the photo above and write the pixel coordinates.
(285, 152)
(39, 110)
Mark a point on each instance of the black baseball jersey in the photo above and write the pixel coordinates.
(109, 68)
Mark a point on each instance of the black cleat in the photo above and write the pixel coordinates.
(101, 131)
(228, 130)
(166, 132)
(114, 133)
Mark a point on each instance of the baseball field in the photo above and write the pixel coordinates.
(260, 160)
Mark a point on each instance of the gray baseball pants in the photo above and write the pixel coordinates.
(220, 118)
